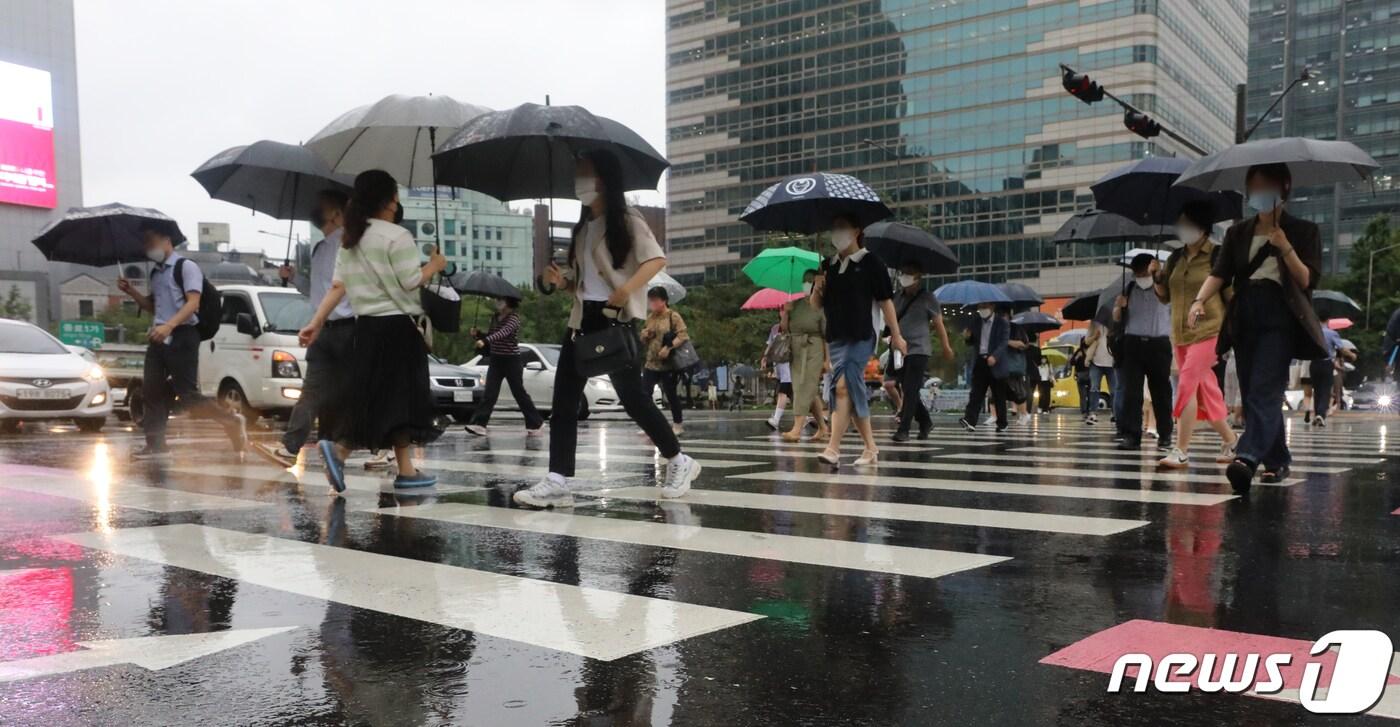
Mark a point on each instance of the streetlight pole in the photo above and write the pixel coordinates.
(1370, 272)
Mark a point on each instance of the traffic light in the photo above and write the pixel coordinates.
(1082, 87)
(1141, 124)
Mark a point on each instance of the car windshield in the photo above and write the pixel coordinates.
(550, 354)
(28, 339)
(286, 312)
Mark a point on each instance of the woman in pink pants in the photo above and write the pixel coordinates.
(1198, 395)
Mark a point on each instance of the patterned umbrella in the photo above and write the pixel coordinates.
(770, 299)
(808, 203)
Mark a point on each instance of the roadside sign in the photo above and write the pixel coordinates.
(88, 334)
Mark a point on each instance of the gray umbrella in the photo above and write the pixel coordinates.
(276, 179)
(103, 235)
(1097, 226)
(480, 282)
(1021, 294)
(530, 150)
(396, 134)
(1311, 161)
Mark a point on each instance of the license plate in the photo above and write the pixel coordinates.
(461, 397)
(43, 394)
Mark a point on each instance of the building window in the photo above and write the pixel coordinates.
(498, 232)
(450, 246)
(449, 227)
(84, 309)
(476, 232)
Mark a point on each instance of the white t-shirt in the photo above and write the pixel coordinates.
(1269, 269)
(592, 286)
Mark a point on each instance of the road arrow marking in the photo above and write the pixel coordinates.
(150, 652)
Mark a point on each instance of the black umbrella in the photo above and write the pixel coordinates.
(276, 179)
(897, 244)
(1082, 308)
(108, 234)
(808, 203)
(530, 150)
(1143, 191)
(1097, 226)
(1335, 304)
(1021, 294)
(480, 282)
(1036, 322)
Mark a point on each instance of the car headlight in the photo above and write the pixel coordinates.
(1061, 394)
(284, 366)
(602, 384)
(1385, 400)
(95, 374)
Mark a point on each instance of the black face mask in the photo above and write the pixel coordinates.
(398, 214)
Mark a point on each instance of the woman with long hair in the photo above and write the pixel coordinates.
(851, 286)
(805, 324)
(611, 259)
(1198, 395)
(377, 268)
(1272, 261)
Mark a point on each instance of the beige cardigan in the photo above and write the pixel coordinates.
(644, 248)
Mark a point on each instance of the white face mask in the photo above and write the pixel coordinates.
(1144, 282)
(156, 256)
(843, 239)
(985, 313)
(1187, 234)
(586, 189)
(907, 281)
(807, 288)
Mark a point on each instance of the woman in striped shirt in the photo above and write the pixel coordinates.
(503, 356)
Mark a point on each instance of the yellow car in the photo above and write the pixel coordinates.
(1065, 392)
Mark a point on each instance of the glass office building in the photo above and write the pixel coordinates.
(952, 109)
(1353, 49)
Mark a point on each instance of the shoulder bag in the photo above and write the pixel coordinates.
(608, 350)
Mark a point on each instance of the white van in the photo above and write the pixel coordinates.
(254, 364)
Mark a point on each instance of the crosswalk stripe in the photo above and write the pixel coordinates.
(605, 454)
(1145, 454)
(75, 485)
(877, 557)
(775, 444)
(589, 622)
(999, 488)
(931, 440)
(314, 479)
(1074, 472)
(524, 473)
(1149, 461)
(975, 517)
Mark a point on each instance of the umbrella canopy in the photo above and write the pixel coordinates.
(675, 292)
(1335, 304)
(395, 133)
(1127, 260)
(276, 179)
(231, 272)
(1339, 324)
(970, 292)
(770, 299)
(480, 282)
(104, 235)
(782, 268)
(1143, 191)
(1312, 162)
(1092, 225)
(530, 150)
(808, 203)
(1082, 308)
(1021, 294)
(1036, 322)
(898, 244)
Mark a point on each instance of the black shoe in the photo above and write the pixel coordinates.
(1275, 475)
(901, 436)
(1129, 444)
(969, 426)
(1002, 427)
(1240, 473)
(1307, 417)
(924, 429)
(148, 453)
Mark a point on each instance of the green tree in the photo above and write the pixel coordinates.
(126, 322)
(16, 306)
(1384, 284)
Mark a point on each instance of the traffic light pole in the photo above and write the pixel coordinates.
(1093, 92)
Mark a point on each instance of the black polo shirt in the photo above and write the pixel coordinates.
(851, 294)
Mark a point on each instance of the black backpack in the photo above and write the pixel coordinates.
(211, 303)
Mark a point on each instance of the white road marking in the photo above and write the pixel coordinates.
(1203, 453)
(742, 446)
(975, 517)
(1148, 461)
(312, 478)
(921, 562)
(589, 622)
(148, 652)
(1074, 472)
(1000, 488)
(603, 453)
(75, 485)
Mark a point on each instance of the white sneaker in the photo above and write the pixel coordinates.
(1227, 452)
(552, 491)
(1152, 433)
(379, 460)
(536, 432)
(475, 429)
(680, 472)
(1320, 422)
(1175, 460)
(772, 423)
(1025, 420)
(1091, 419)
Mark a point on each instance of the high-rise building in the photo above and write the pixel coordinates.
(478, 232)
(952, 109)
(1352, 49)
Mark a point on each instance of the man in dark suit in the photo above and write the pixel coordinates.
(987, 337)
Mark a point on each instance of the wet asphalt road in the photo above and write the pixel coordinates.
(750, 602)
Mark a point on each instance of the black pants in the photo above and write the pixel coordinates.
(982, 381)
(1150, 359)
(1264, 348)
(911, 383)
(1045, 388)
(170, 379)
(1323, 378)
(509, 369)
(568, 389)
(668, 381)
(324, 386)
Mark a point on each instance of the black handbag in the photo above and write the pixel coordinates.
(607, 350)
(445, 313)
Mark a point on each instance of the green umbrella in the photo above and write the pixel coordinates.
(782, 268)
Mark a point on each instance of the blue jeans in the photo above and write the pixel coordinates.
(1096, 376)
(848, 360)
(1264, 348)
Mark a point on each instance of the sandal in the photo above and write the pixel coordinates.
(829, 457)
(791, 438)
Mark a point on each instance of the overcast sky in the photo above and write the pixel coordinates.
(166, 84)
